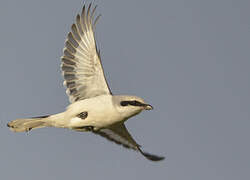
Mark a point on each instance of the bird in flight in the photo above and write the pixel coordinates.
(93, 107)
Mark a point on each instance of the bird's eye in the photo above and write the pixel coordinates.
(124, 103)
(136, 103)
(132, 103)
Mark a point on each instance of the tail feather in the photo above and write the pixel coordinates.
(22, 125)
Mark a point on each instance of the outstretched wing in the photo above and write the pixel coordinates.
(119, 134)
(81, 63)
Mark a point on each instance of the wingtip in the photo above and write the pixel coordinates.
(151, 157)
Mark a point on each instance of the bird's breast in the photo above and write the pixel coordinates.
(101, 112)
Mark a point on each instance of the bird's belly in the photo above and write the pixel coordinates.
(96, 118)
(103, 120)
(100, 112)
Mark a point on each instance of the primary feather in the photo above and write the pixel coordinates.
(81, 62)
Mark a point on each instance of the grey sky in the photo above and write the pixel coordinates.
(188, 58)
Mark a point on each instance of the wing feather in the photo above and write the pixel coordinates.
(119, 134)
(81, 63)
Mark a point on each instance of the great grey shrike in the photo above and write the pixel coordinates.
(93, 107)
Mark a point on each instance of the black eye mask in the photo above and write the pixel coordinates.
(132, 103)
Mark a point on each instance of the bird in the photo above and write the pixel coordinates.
(94, 108)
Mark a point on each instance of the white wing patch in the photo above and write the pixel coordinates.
(81, 64)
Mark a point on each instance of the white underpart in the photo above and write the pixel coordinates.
(76, 121)
(100, 109)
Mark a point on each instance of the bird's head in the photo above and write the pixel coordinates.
(130, 106)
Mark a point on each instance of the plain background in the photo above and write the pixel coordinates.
(188, 58)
